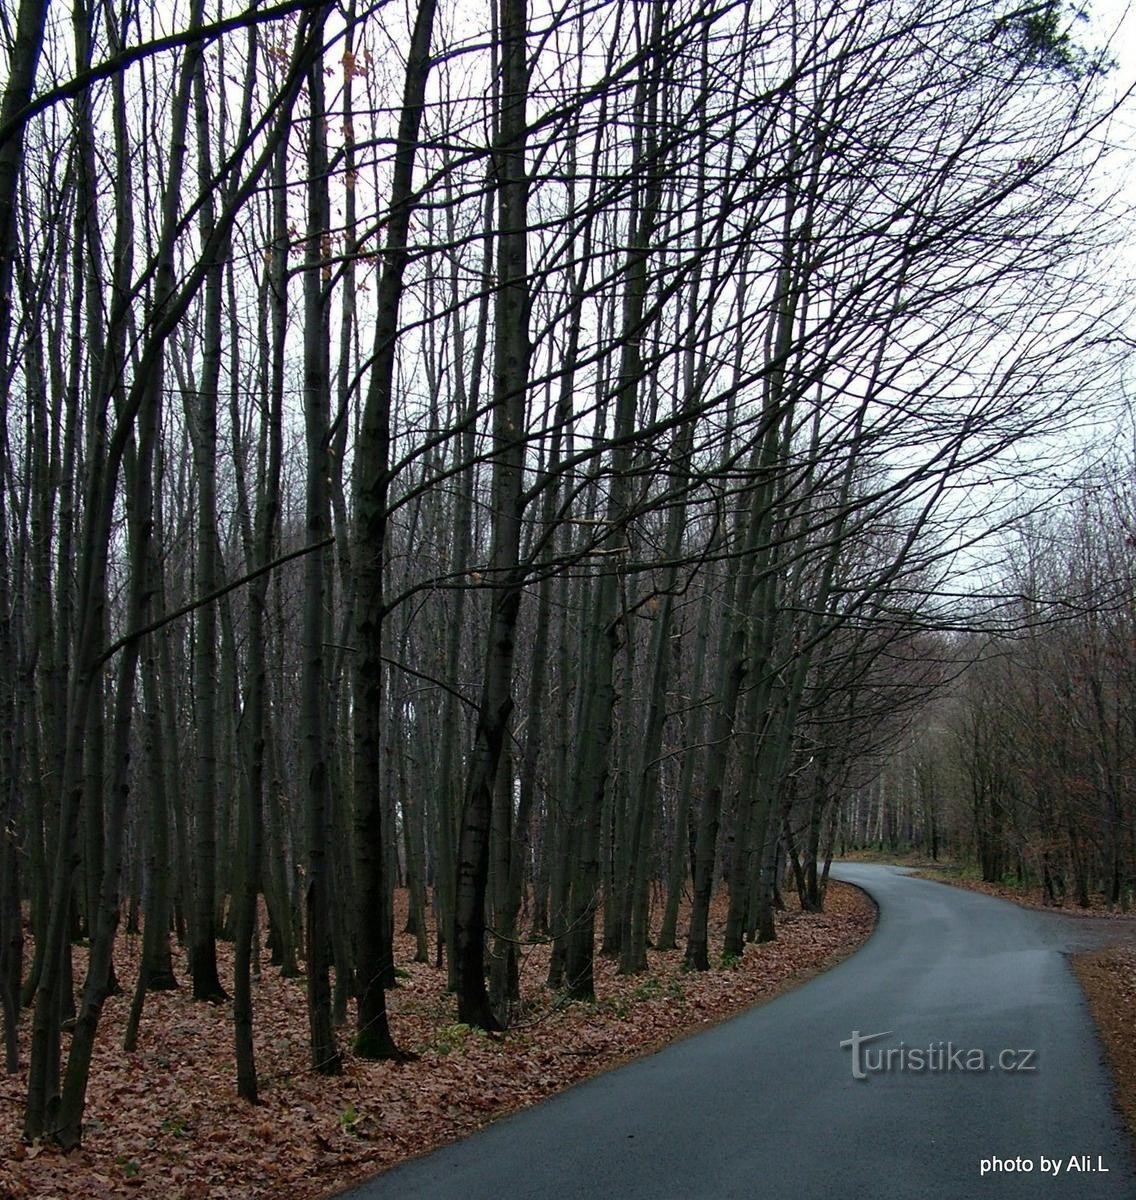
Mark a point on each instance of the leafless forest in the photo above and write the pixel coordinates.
(543, 455)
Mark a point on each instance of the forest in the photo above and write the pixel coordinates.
(558, 459)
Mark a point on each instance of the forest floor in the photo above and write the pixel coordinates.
(166, 1120)
(1108, 979)
(1027, 895)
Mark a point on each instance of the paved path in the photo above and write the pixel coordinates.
(766, 1105)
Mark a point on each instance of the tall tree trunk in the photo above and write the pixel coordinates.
(607, 618)
(372, 487)
(313, 733)
(201, 418)
(511, 357)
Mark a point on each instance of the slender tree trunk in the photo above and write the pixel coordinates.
(155, 971)
(607, 618)
(201, 417)
(372, 485)
(313, 734)
(510, 383)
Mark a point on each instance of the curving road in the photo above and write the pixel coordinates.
(766, 1104)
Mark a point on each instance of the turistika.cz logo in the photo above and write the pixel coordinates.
(869, 1059)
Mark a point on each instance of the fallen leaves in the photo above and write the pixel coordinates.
(166, 1122)
(1027, 897)
(1108, 979)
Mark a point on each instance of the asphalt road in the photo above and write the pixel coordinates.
(766, 1104)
